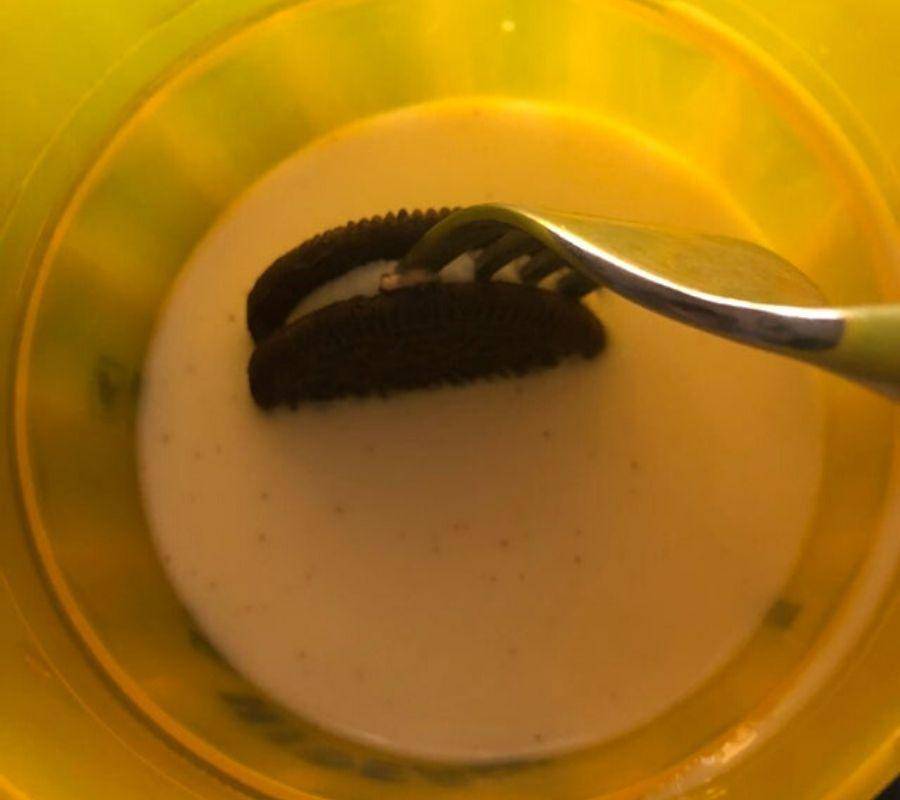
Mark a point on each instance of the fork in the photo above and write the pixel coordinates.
(725, 286)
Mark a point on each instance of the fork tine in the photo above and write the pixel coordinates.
(499, 253)
(474, 236)
(540, 266)
(574, 284)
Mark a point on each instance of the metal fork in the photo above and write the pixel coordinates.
(728, 287)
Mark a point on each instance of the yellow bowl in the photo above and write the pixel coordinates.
(132, 127)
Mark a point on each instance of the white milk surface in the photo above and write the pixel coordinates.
(508, 569)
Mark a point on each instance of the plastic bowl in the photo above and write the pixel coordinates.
(133, 128)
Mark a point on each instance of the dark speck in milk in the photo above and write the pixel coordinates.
(250, 708)
(783, 613)
(329, 758)
(113, 380)
(201, 643)
(382, 771)
(443, 776)
(285, 736)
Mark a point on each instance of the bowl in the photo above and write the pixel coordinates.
(134, 129)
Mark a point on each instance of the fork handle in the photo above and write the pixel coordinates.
(869, 348)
